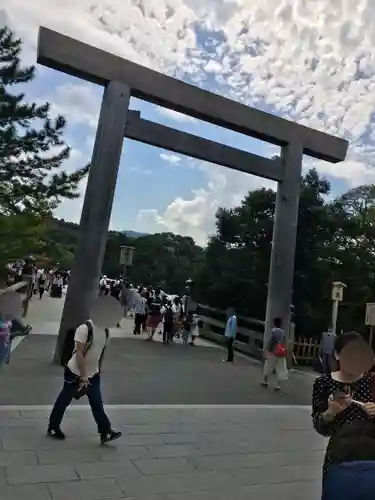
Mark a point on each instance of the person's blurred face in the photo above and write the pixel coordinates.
(356, 358)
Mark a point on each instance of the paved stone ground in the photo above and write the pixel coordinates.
(44, 316)
(140, 372)
(165, 454)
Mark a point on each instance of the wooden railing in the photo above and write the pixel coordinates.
(249, 339)
(24, 287)
(306, 351)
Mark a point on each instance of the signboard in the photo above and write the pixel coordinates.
(370, 314)
(338, 291)
(126, 255)
(337, 294)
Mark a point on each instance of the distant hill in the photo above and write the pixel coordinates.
(134, 234)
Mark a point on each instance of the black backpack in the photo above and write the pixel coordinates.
(155, 306)
(69, 349)
(168, 316)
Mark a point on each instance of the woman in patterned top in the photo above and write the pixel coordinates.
(344, 396)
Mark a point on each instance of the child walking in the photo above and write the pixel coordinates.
(194, 328)
(186, 329)
(168, 323)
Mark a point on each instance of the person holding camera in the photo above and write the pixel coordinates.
(82, 378)
(345, 396)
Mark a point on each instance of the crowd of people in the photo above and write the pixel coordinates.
(42, 280)
(153, 310)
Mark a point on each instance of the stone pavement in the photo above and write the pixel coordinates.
(44, 316)
(140, 372)
(224, 453)
(175, 445)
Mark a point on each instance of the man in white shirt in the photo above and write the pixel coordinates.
(82, 377)
(103, 285)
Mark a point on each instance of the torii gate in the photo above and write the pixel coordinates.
(123, 79)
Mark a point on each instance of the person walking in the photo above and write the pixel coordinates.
(230, 334)
(178, 317)
(154, 316)
(123, 297)
(42, 283)
(186, 328)
(168, 320)
(327, 349)
(140, 306)
(194, 333)
(276, 356)
(82, 377)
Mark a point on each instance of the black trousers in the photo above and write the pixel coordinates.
(138, 321)
(167, 332)
(66, 396)
(230, 341)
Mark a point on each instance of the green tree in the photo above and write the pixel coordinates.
(237, 258)
(162, 259)
(29, 238)
(354, 246)
(32, 149)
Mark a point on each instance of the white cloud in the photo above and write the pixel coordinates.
(308, 60)
(70, 210)
(196, 216)
(170, 158)
(79, 102)
(354, 172)
(139, 170)
(174, 115)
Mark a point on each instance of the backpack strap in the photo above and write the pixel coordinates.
(90, 336)
(104, 348)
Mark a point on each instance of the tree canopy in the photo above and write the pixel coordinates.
(32, 148)
(33, 180)
(335, 242)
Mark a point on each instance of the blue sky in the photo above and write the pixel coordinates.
(311, 61)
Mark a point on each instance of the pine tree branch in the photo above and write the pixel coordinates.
(31, 171)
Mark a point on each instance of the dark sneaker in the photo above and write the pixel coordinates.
(56, 434)
(111, 436)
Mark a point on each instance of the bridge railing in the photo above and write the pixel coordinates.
(24, 288)
(249, 339)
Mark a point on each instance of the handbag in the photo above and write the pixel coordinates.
(279, 351)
